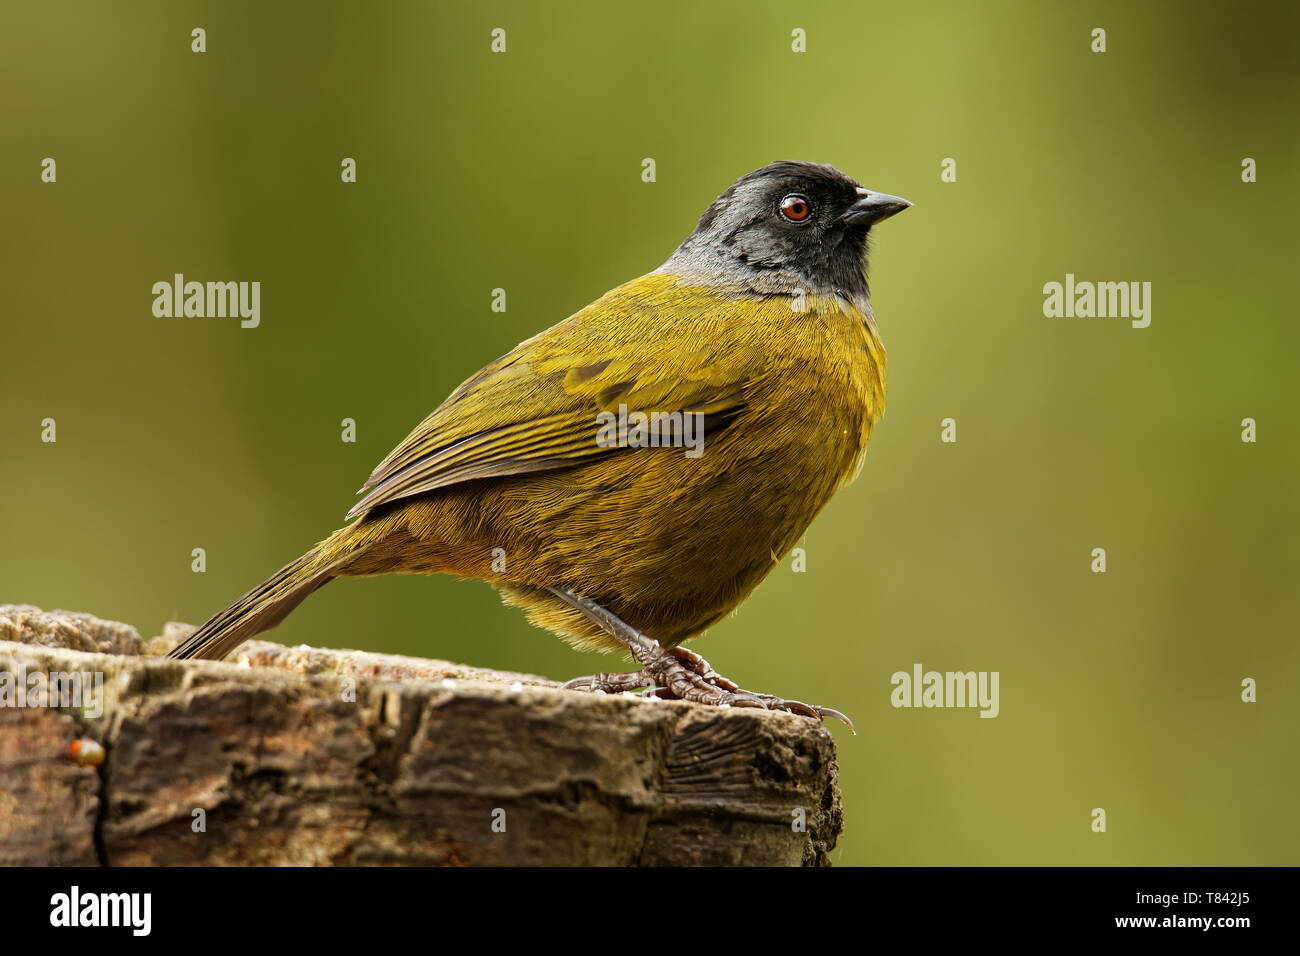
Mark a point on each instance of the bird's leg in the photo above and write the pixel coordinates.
(684, 674)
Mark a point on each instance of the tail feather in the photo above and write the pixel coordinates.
(266, 605)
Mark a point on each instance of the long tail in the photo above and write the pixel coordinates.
(271, 601)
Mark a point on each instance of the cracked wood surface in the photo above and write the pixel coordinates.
(302, 756)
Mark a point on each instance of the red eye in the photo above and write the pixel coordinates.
(795, 208)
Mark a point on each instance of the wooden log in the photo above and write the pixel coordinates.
(303, 756)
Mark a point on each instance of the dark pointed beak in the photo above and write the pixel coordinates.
(872, 207)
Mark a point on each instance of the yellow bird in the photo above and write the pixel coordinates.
(630, 475)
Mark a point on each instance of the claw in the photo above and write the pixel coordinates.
(824, 712)
(804, 710)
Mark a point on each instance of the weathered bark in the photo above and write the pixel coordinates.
(303, 756)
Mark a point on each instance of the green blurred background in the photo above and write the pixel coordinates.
(522, 171)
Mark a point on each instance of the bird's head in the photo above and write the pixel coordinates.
(790, 225)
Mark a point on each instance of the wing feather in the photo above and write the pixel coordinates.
(536, 407)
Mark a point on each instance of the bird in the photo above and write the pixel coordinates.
(630, 475)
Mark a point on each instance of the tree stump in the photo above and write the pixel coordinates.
(301, 756)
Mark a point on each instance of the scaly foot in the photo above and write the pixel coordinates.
(677, 673)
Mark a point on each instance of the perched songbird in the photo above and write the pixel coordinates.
(631, 474)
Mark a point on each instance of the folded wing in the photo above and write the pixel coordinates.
(536, 407)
